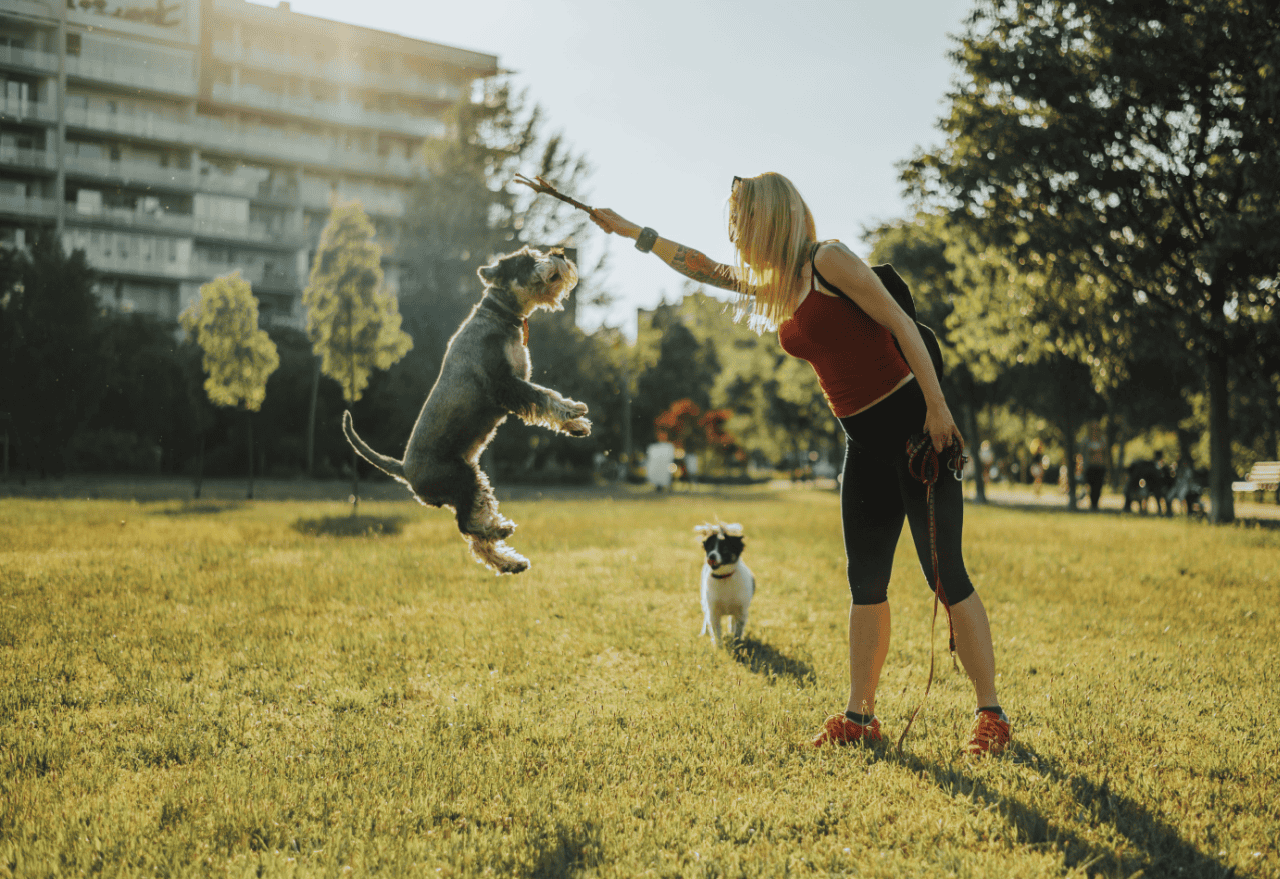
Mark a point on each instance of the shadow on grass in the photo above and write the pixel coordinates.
(564, 851)
(350, 526)
(1154, 846)
(1263, 524)
(201, 508)
(764, 659)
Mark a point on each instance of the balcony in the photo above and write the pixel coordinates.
(150, 126)
(337, 72)
(133, 220)
(137, 264)
(17, 157)
(28, 206)
(175, 79)
(24, 110)
(286, 234)
(141, 174)
(258, 275)
(318, 196)
(297, 149)
(45, 62)
(335, 112)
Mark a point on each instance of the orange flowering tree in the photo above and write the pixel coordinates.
(689, 429)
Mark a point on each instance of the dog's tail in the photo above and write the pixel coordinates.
(389, 466)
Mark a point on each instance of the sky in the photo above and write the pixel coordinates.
(669, 99)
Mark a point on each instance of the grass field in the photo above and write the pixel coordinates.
(242, 690)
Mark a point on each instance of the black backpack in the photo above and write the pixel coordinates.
(901, 294)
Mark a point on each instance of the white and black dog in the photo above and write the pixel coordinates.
(727, 583)
(483, 379)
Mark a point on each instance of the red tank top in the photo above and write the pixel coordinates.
(854, 357)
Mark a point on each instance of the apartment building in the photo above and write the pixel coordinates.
(177, 141)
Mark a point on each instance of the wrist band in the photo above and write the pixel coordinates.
(645, 240)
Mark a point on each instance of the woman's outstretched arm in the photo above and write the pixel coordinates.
(685, 260)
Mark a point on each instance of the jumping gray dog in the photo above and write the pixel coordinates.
(483, 379)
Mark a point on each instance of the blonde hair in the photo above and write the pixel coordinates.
(773, 231)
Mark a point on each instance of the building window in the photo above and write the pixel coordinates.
(89, 201)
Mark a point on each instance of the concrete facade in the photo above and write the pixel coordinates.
(178, 141)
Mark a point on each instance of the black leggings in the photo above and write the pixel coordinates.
(877, 492)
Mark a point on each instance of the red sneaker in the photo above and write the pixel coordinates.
(843, 731)
(991, 734)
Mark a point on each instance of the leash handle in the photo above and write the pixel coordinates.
(925, 465)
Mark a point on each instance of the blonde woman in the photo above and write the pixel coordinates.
(831, 309)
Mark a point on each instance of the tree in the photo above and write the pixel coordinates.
(51, 349)
(686, 368)
(778, 410)
(918, 251)
(147, 401)
(1129, 144)
(238, 356)
(353, 320)
(1032, 339)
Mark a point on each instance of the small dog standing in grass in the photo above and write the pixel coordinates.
(727, 583)
(484, 378)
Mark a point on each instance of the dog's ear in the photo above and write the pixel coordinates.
(704, 531)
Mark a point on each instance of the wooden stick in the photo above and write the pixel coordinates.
(537, 184)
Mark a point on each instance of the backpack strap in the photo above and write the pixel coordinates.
(817, 275)
(900, 293)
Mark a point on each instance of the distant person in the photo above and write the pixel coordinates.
(1039, 463)
(832, 310)
(1095, 464)
(1187, 487)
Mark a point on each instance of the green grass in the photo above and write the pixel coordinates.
(239, 689)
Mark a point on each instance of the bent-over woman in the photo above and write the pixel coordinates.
(832, 310)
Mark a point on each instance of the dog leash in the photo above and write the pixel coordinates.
(925, 466)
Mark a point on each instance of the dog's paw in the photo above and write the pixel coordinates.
(577, 408)
(578, 427)
(498, 557)
(514, 566)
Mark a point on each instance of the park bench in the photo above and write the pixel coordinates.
(1263, 476)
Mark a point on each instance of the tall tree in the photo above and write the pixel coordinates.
(238, 356)
(353, 320)
(1031, 337)
(1135, 143)
(51, 342)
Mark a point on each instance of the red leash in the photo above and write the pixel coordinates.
(924, 464)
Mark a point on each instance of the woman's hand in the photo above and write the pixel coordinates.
(614, 224)
(941, 427)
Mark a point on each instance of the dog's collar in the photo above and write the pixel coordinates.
(516, 320)
(724, 576)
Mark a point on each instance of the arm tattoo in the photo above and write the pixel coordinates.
(699, 267)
